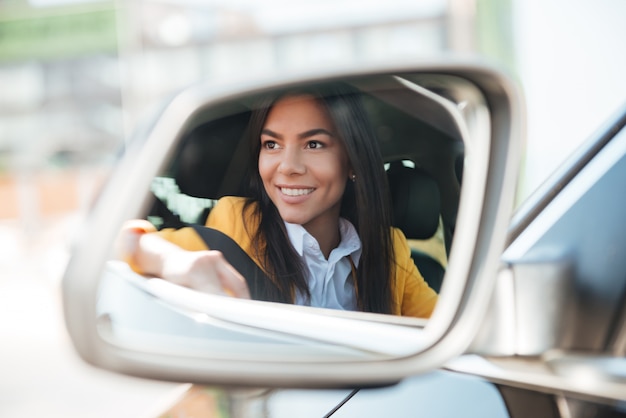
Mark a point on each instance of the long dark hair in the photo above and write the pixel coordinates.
(365, 203)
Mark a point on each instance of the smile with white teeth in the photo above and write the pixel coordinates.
(295, 192)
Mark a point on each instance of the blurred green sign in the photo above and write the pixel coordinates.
(57, 32)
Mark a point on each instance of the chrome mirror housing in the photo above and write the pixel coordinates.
(127, 323)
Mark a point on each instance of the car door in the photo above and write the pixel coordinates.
(555, 339)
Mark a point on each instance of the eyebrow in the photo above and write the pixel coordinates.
(303, 135)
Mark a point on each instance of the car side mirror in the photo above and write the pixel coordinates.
(449, 136)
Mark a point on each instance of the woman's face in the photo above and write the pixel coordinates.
(302, 162)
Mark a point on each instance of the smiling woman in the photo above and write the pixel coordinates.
(304, 167)
(317, 220)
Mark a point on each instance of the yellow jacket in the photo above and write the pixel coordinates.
(412, 296)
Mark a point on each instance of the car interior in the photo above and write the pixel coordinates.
(422, 151)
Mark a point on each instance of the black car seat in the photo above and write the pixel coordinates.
(204, 165)
(416, 211)
(201, 169)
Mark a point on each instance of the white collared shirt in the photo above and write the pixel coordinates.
(330, 281)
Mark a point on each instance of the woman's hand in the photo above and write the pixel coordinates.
(206, 271)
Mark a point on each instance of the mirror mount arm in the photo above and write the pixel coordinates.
(527, 310)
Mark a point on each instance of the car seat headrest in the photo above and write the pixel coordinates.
(205, 155)
(415, 199)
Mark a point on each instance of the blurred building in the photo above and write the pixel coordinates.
(76, 76)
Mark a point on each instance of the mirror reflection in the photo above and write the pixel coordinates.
(340, 195)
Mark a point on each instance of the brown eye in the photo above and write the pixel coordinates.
(269, 144)
(314, 144)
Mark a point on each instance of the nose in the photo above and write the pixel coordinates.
(292, 162)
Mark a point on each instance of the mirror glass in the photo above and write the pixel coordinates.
(333, 205)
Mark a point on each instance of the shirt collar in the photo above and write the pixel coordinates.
(350, 244)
